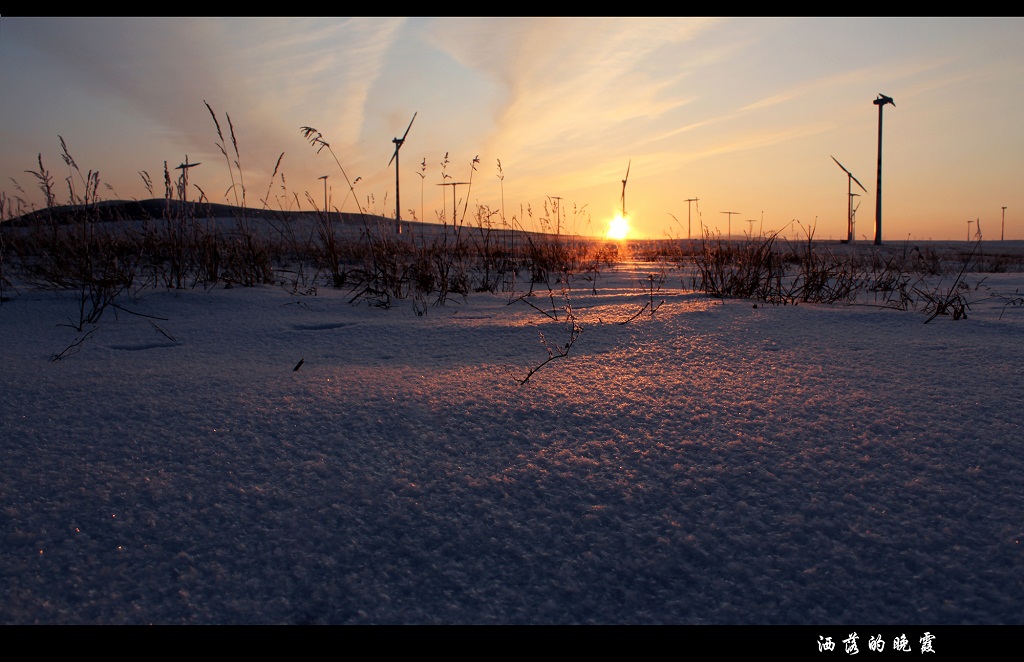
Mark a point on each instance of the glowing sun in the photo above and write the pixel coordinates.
(618, 228)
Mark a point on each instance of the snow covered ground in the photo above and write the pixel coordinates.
(715, 463)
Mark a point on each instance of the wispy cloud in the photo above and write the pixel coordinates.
(569, 81)
(264, 72)
(349, 60)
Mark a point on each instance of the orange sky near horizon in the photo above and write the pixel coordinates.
(737, 115)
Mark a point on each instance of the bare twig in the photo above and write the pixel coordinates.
(74, 347)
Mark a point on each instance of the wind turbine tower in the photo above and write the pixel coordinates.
(880, 102)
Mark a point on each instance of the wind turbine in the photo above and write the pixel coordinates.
(558, 214)
(880, 102)
(326, 211)
(849, 199)
(394, 157)
(184, 177)
(689, 209)
(730, 213)
(624, 188)
(454, 211)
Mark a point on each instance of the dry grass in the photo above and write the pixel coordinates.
(103, 259)
(784, 273)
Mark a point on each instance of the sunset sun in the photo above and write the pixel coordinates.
(618, 228)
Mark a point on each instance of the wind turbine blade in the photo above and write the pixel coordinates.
(399, 141)
(841, 165)
(849, 173)
(409, 127)
(627, 171)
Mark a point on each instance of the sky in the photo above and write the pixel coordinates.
(740, 115)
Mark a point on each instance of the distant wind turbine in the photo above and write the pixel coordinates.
(184, 177)
(455, 214)
(394, 157)
(326, 210)
(624, 188)
(730, 213)
(849, 199)
(689, 219)
(558, 214)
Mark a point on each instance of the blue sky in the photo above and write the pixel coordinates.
(741, 113)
